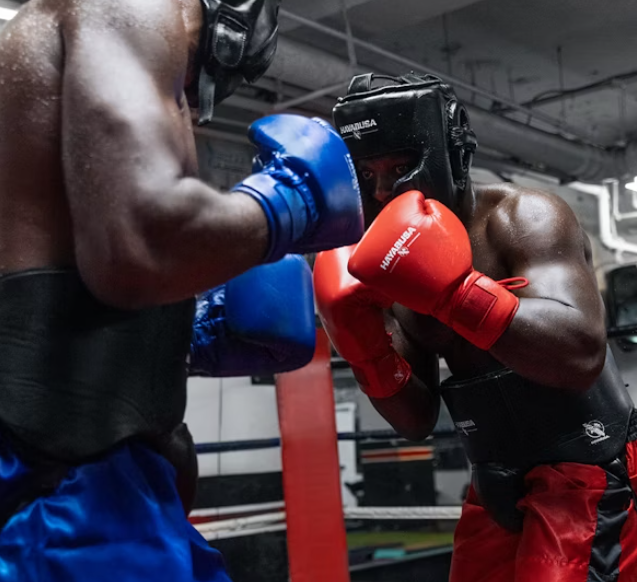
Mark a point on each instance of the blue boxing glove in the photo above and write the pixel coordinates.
(259, 323)
(307, 185)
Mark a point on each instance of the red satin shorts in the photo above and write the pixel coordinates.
(580, 525)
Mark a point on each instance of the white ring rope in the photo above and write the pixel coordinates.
(266, 522)
(217, 511)
(222, 535)
(241, 523)
(433, 512)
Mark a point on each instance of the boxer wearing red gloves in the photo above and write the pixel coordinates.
(498, 281)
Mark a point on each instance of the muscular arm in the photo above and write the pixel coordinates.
(412, 412)
(557, 336)
(146, 232)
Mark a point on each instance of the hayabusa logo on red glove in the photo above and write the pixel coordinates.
(398, 249)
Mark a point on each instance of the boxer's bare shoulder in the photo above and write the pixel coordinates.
(521, 221)
(153, 33)
(47, 52)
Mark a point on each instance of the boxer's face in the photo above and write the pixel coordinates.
(377, 176)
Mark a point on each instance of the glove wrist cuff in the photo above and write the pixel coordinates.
(480, 310)
(284, 208)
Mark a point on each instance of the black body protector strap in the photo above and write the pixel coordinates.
(77, 376)
(509, 424)
(238, 41)
(417, 113)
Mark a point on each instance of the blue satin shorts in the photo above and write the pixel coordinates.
(118, 519)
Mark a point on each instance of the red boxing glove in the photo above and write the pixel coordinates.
(418, 253)
(352, 315)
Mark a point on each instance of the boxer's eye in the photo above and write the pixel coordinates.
(401, 170)
(366, 174)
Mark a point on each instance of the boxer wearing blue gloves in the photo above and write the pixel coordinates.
(259, 323)
(300, 158)
(106, 239)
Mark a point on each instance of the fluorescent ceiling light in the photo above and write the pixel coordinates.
(632, 185)
(7, 13)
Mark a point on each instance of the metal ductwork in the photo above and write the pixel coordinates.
(569, 158)
(312, 69)
(304, 66)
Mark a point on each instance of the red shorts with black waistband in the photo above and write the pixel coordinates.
(580, 525)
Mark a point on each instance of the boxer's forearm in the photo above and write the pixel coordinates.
(553, 344)
(179, 242)
(412, 412)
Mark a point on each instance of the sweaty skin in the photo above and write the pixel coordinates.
(97, 156)
(557, 337)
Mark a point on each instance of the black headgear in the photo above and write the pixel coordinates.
(412, 112)
(238, 41)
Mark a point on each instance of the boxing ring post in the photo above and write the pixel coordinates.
(317, 544)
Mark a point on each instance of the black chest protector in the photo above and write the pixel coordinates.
(502, 417)
(77, 376)
(509, 424)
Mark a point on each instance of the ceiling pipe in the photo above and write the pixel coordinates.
(305, 66)
(617, 214)
(320, 10)
(340, 87)
(607, 231)
(516, 140)
(609, 83)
